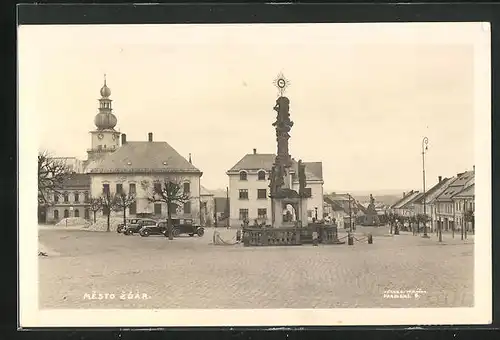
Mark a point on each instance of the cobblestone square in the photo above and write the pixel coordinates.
(110, 270)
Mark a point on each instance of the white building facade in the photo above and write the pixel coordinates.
(249, 189)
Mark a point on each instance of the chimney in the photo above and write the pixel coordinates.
(190, 159)
(124, 139)
(474, 169)
(254, 151)
(440, 178)
(150, 136)
(404, 194)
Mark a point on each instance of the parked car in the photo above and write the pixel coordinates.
(159, 228)
(186, 226)
(136, 227)
(121, 227)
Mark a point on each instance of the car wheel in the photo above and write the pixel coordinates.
(176, 232)
(191, 235)
(200, 232)
(145, 233)
(119, 229)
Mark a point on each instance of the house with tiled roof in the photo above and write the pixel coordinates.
(335, 211)
(465, 207)
(400, 208)
(409, 206)
(249, 187)
(448, 208)
(429, 198)
(137, 166)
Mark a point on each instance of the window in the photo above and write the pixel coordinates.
(261, 175)
(132, 208)
(87, 214)
(119, 188)
(308, 192)
(86, 197)
(77, 197)
(66, 197)
(56, 199)
(243, 176)
(262, 213)
(56, 214)
(77, 213)
(309, 213)
(105, 189)
(243, 194)
(187, 208)
(261, 193)
(187, 188)
(66, 213)
(131, 188)
(243, 214)
(157, 208)
(157, 187)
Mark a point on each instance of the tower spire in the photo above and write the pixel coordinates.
(104, 79)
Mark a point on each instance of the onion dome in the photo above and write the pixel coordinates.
(105, 121)
(105, 90)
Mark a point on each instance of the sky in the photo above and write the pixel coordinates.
(362, 96)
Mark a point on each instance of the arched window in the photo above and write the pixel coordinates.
(86, 197)
(87, 214)
(261, 175)
(56, 214)
(66, 213)
(77, 196)
(56, 198)
(77, 213)
(243, 176)
(66, 197)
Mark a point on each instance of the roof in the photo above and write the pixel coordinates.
(457, 185)
(414, 199)
(435, 191)
(466, 193)
(265, 161)
(143, 157)
(411, 195)
(335, 206)
(205, 192)
(76, 180)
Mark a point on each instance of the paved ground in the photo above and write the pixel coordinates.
(192, 273)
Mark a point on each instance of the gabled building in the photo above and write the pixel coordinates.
(399, 208)
(446, 206)
(465, 207)
(409, 208)
(429, 198)
(207, 207)
(137, 167)
(249, 188)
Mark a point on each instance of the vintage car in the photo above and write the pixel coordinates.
(121, 227)
(179, 227)
(136, 227)
(159, 228)
(186, 226)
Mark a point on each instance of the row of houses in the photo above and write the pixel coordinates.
(449, 204)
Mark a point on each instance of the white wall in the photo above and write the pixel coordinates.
(252, 184)
(144, 187)
(107, 139)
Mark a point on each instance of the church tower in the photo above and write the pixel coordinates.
(105, 138)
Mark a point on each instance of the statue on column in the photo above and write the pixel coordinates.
(302, 179)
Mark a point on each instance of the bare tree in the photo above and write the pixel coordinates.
(95, 206)
(123, 201)
(51, 175)
(171, 192)
(107, 203)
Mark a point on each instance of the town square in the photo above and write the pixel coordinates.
(194, 173)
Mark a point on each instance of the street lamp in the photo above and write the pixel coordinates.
(425, 141)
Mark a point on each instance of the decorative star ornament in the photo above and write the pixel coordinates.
(281, 83)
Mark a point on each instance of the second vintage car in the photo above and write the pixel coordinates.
(135, 228)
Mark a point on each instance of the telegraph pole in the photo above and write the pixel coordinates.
(350, 214)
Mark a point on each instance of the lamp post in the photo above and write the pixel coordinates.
(350, 214)
(425, 141)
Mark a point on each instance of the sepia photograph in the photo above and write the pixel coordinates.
(254, 175)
